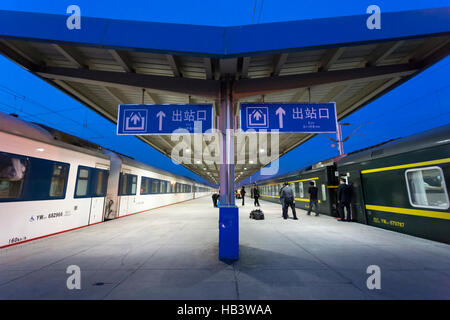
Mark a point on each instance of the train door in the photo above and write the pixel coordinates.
(124, 201)
(98, 203)
(353, 178)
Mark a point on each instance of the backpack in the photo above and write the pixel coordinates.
(257, 214)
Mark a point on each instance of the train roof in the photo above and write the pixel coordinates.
(426, 139)
(35, 131)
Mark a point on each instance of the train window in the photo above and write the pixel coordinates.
(145, 185)
(128, 184)
(300, 190)
(324, 192)
(426, 188)
(12, 176)
(133, 185)
(123, 184)
(101, 180)
(163, 187)
(82, 182)
(155, 186)
(58, 183)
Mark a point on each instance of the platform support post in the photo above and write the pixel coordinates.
(340, 142)
(228, 212)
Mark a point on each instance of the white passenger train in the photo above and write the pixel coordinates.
(51, 182)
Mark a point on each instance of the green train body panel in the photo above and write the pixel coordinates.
(381, 198)
(389, 189)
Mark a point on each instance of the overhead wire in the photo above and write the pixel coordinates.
(49, 111)
(254, 10)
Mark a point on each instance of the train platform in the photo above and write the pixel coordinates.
(172, 253)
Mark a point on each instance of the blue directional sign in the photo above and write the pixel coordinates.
(142, 119)
(289, 117)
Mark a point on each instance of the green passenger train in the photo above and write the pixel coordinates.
(399, 185)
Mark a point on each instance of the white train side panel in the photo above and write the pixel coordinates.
(24, 220)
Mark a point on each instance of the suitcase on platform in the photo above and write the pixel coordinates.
(257, 214)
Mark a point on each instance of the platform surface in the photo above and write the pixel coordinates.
(171, 253)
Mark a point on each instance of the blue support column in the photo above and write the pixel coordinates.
(228, 212)
(229, 233)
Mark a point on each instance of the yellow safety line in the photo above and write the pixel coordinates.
(298, 199)
(281, 183)
(417, 164)
(316, 178)
(302, 199)
(332, 187)
(413, 212)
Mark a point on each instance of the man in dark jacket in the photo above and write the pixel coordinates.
(255, 193)
(344, 195)
(281, 199)
(287, 194)
(243, 194)
(313, 200)
(215, 197)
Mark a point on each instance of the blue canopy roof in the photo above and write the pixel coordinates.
(233, 41)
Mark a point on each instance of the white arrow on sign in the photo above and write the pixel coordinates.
(136, 118)
(160, 115)
(257, 115)
(280, 113)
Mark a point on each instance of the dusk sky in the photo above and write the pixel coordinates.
(420, 104)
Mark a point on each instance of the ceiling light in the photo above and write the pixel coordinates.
(40, 149)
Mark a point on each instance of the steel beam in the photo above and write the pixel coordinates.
(381, 52)
(152, 97)
(298, 96)
(252, 87)
(279, 61)
(122, 60)
(245, 64)
(208, 68)
(70, 55)
(174, 65)
(228, 66)
(197, 87)
(114, 95)
(25, 59)
(85, 100)
(330, 57)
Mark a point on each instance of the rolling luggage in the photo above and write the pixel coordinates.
(257, 214)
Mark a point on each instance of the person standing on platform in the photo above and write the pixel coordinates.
(255, 192)
(313, 200)
(344, 195)
(288, 198)
(214, 199)
(243, 194)
(281, 198)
